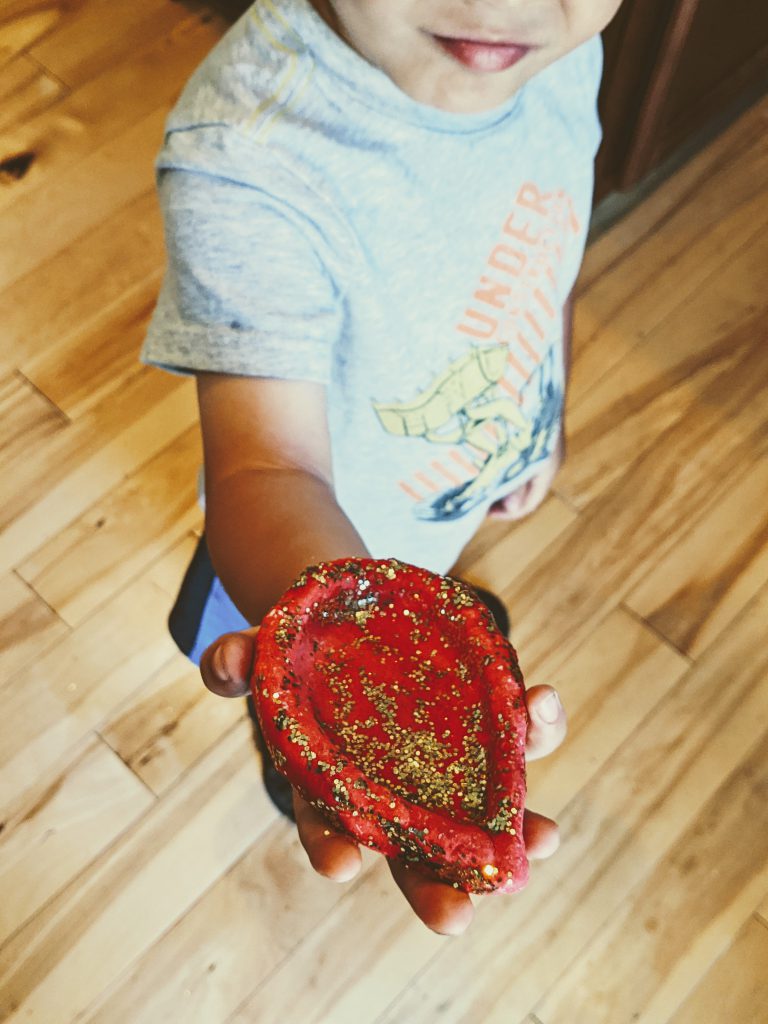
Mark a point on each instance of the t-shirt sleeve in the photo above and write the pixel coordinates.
(246, 290)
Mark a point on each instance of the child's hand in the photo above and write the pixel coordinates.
(226, 669)
(526, 499)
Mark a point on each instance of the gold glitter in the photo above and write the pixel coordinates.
(502, 820)
(280, 759)
(341, 795)
(390, 719)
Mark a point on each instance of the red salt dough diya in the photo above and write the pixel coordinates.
(390, 700)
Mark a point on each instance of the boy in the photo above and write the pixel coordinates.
(375, 212)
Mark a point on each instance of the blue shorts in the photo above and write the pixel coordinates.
(203, 609)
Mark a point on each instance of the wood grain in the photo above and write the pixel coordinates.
(103, 106)
(169, 725)
(27, 419)
(374, 952)
(26, 89)
(27, 625)
(616, 831)
(686, 247)
(85, 284)
(62, 824)
(108, 345)
(41, 223)
(500, 551)
(92, 35)
(736, 986)
(64, 479)
(693, 594)
(67, 955)
(642, 514)
(168, 572)
(674, 197)
(24, 22)
(75, 685)
(654, 386)
(682, 916)
(88, 562)
(207, 965)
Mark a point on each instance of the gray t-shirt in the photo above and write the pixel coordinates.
(322, 225)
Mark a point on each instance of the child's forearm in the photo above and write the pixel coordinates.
(264, 527)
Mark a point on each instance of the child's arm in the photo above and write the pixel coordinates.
(270, 506)
(270, 512)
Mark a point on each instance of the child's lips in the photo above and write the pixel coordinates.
(482, 55)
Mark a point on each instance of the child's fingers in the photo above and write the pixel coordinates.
(548, 724)
(542, 836)
(226, 665)
(332, 855)
(442, 908)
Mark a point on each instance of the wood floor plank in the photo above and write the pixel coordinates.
(61, 825)
(98, 33)
(609, 685)
(86, 563)
(683, 916)
(86, 286)
(713, 571)
(43, 222)
(168, 572)
(683, 189)
(623, 666)
(26, 89)
(663, 380)
(103, 107)
(59, 963)
(23, 22)
(500, 551)
(689, 465)
(78, 683)
(82, 368)
(736, 986)
(169, 724)
(27, 419)
(247, 925)
(616, 312)
(614, 833)
(347, 969)
(63, 479)
(27, 625)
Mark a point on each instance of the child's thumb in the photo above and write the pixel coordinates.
(226, 665)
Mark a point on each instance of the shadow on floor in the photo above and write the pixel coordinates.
(229, 10)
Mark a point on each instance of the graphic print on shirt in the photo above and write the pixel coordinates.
(496, 410)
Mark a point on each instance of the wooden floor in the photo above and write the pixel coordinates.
(144, 876)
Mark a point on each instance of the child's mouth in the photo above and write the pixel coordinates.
(483, 56)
